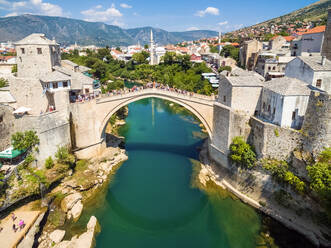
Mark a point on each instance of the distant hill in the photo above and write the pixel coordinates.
(67, 31)
(312, 12)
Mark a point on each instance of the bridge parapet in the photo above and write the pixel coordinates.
(185, 96)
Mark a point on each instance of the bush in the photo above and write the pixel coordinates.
(242, 153)
(225, 68)
(28, 160)
(3, 82)
(49, 163)
(24, 141)
(280, 170)
(320, 173)
(64, 157)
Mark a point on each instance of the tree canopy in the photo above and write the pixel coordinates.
(24, 141)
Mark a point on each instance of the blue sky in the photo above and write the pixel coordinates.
(171, 15)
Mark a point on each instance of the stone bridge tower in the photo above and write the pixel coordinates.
(36, 55)
(326, 51)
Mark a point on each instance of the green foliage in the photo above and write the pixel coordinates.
(213, 49)
(140, 58)
(24, 141)
(3, 82)
(49, 163)
(28, 160)
(276, 132)
(280, 170)
(230, 51)
(175, 70)
(225, 68)
(283, 198)
(268, 36)
(64, 157)
(320, 173)
(14, 69)
(242, 153)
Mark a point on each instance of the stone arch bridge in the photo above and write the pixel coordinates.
(90, 118)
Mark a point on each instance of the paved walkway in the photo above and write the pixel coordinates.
(9, 238)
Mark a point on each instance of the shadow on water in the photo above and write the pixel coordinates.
(149, 224)
(189, 151)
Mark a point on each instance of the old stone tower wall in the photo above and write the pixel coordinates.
(326, 51)
(317, 124)
(53, 130)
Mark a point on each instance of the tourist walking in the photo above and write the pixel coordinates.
(21, 224)
(14, 227)
(13, 217)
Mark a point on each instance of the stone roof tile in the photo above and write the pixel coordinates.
(287, 86)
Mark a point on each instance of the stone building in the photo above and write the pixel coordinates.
(326, 51)
(240, 93)
(309, 43)
(36, 50)
(42, 85)
(314, 70)
(284, 102)
(249, 52)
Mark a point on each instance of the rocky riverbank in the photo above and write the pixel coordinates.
(259, 195)
(67, 199)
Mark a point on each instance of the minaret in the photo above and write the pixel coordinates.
(219, 42)
(152, 50)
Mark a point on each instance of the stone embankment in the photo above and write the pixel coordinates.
(260, 198)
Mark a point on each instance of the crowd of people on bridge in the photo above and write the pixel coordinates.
(151, 85)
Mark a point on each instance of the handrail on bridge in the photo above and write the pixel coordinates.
(141, 90)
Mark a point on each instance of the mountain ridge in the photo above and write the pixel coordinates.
(68, 31)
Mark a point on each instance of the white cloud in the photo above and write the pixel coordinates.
(208, 11)
(31, 7)
(192, 29)
(125, 6)
(97, 14)
(223, 23)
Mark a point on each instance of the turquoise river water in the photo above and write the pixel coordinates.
(151, 201)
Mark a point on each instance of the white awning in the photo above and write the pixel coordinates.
(21, 110)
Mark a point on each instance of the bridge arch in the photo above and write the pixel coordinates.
(203, 117)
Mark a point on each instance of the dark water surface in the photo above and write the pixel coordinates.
(151, 202)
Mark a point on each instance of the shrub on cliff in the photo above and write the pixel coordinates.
(3, 82)
(49, 163)
(242, 153)
(24, 141)
(320, 174)
(64, 157)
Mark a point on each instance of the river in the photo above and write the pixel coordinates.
(152, 201)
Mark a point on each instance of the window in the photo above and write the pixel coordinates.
(39, 51)
(87, 91)
(65, 84)
(22, 50)
(269, 68)
(274, 111)
(55, 86)
(293, 115)
(1, 118)
(274, 68)
(269, 108)
(264, 106)
(319, 83)
(224, 98)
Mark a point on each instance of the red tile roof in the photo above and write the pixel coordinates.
(315, 30)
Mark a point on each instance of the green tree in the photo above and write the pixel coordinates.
(49, 163)
(146, 46)
(213, 49)
(242, 153)
(14, 69)
(225, 68)
(230, 51)
(24, 141)
(63, 156)
(320, 173)
(3, 82)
